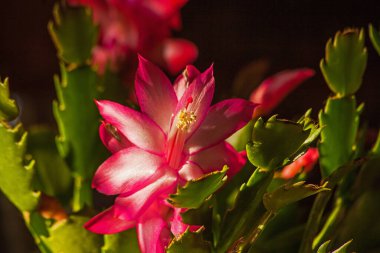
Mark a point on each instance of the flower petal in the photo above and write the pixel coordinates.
(196, 99)
(130, 206)
(222, 120)
(106, 223)
(153, 235)
(135, 126)
(155, 93)
(275, 88)
(190, 171)
(216, 157)
(126, 171)
(112, 139)
(185, 79)
(177, 53)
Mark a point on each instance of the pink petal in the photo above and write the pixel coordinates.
(155, 93)
(177, 226)
(275, 88)
(177, 53)
(185, 79)
(131, 206)
(190, 171)
(113, 139)
(106, 223)
(126, 171)
(222, 120)
(153, 235)
(135, 126)
(216, 157)
(196, 99)
(305, 162)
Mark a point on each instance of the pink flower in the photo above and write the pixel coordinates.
(139, 26)
(304, 163)
(275, 88)
(177, 137)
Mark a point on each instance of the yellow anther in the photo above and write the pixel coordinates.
(185, 119)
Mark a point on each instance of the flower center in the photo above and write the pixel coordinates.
(185, 119)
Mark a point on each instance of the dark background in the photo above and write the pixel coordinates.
(281, 34)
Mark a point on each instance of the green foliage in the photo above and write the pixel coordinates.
(374, 35)
(340, 121)
(345, 61)
(38, 228)
(121, 242)
(69, 236)
(189, 242)
(195, 192)
(77, 118)
(274, 141)
(246, 212)
(73, 33)
(289, 194)
(324, 248)
(16, 172)
(8, 107)
(53, 175)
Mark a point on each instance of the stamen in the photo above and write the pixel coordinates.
(185, 119)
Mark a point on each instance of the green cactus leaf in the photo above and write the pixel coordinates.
(324, 248)
(73, 33)
(340, 120)
(121, 242)
(8, 107)
(247, 211)
(77, 118)
(16, 172)
(345, 61)
(275, 141)
(289, 194)
(52, 174)
(70, 236)
(189, 242)
(37, 226)
(195, 192)
(374, 35)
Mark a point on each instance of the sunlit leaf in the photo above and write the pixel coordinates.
(195, 192)
(345, 61)
(340, 120)
(8, 107)
(289, 194)
(125, 241)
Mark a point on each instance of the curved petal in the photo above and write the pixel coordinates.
(177, 53)
(275, 88)
(216, 157)
(126, 171)
(155, 93)
(196, 100)
(135, 126)
(153, 235)
(185, 79)
(222, 120)
(131, 206)
(112, 139)
(305, 162)
(190, 171)
(106, 223)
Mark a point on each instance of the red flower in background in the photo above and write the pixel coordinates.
(128, 27)
(305, 163)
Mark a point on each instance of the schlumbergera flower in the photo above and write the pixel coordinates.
(175, 138)
(139, 26)
(275, 88)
